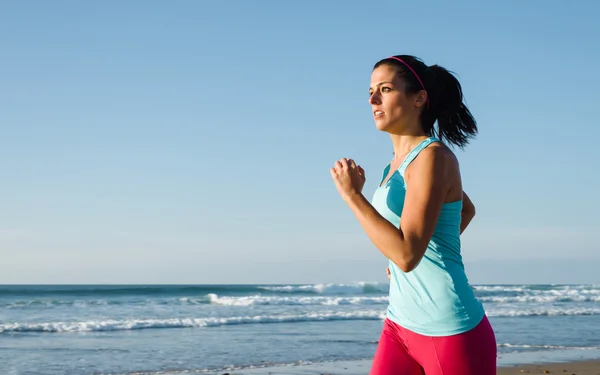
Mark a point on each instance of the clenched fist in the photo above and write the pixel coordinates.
(349, 177)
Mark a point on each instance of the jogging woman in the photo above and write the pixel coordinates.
(434, 325)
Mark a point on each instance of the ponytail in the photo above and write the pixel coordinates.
(455, 122)
(445, 99)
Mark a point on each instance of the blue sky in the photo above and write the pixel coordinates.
(191, 141)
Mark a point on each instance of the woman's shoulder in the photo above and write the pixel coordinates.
(436, 155)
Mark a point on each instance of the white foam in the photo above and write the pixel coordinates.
(541, 311)
(135, 324)
(297, 300)
(354, 288)
(379, 314)
(550, 298)
(49, 303)
(560, 289)
(499, 288)
(523, 346)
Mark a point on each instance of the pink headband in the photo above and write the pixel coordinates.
(415, 74)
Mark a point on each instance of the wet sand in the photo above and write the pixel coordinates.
(570, 368)
(362, 368)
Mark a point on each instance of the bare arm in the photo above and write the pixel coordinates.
(467, 214)
(405, 246)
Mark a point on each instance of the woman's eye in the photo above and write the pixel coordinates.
(385, 89)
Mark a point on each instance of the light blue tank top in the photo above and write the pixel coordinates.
(434, 299)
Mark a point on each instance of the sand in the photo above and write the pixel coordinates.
(570, 368)
(362, 368)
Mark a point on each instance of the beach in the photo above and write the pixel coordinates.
(578, 368)
(362, 368)
(268, 329)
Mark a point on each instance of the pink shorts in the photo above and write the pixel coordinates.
(403, 352)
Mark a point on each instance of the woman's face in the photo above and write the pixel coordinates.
(393, 110)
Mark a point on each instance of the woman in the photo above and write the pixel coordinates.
(435, 325)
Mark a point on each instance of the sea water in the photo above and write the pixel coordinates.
(151, 329)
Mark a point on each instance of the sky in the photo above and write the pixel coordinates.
(191, 141)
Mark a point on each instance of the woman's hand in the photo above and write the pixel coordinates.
(349, 178)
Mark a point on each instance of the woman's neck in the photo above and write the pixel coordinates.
(404, 143)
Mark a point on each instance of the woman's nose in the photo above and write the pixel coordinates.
(374, 98)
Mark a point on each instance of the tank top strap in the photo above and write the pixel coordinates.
(415, 152)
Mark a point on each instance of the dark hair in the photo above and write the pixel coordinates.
(455, 122)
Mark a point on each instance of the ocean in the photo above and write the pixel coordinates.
(183, 329)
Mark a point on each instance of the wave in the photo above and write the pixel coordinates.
(542, 311)
(278, 300)
(291, 301)
(138, 324)
(541, 299)
(122, 290)
(357, 288)
(262, 365)
(211, 299)
(557, 347)
(361, 287)
(484, 290)
(520, 287)
(49, 303)
(538, 294)
(188, 290)
(258, 299)
(359, 293)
